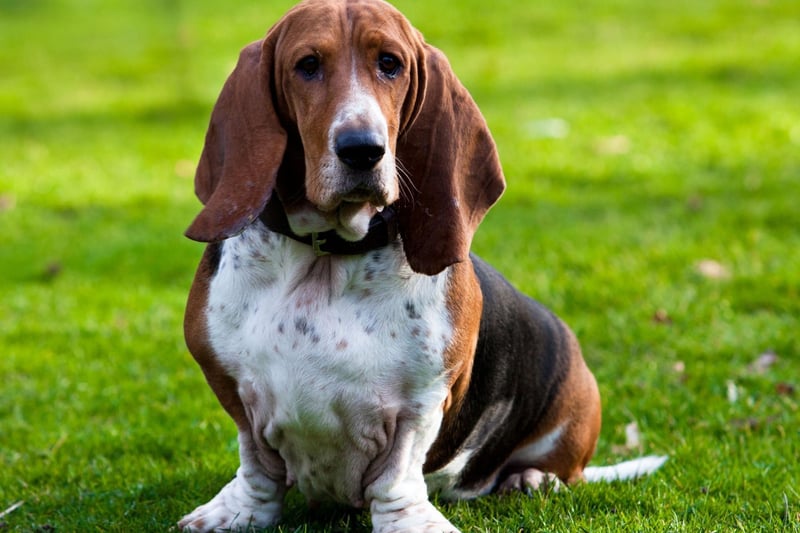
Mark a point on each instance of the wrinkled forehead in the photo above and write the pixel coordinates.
(334, 24)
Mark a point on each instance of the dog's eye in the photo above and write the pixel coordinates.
(389, 65)
(308, 67)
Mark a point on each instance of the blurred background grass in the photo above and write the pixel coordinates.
(651, 151)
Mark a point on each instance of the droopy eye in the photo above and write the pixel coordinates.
(389, 65)
(308, 66)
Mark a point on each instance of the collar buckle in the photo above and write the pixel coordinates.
(316, 245)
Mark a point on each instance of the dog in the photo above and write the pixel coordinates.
(365, 355)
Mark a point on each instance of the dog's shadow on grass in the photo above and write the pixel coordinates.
(178, 496)
(299, 515)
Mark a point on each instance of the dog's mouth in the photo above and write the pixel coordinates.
(350, 217)
(363, 195)
(353, 219)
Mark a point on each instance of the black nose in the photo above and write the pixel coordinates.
(359, 150)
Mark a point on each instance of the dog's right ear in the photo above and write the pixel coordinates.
(244, 146)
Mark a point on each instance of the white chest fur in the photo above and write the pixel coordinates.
(339, 359)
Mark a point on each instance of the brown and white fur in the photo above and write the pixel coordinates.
(365, 355)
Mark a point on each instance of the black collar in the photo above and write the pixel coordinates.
(382, 231)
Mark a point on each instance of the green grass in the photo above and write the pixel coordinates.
(677, 140)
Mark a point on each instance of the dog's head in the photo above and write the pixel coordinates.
(342, 110)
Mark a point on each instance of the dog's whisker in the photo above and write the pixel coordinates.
(405, 183)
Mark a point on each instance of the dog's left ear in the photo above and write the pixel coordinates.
(451, 160)
(245, 144)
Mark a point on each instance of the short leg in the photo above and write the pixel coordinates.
(406, 509)
(253, 498)
(399, 497)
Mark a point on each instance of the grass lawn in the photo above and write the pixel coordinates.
(652, 151)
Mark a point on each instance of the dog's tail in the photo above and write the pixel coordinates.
(625, 470)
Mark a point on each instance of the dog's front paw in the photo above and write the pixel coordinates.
(420, 517)
(238, 506)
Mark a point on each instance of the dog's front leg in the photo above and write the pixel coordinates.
(402, 510)
(399, 497)
(254, 498)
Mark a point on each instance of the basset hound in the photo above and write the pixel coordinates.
(337, 313)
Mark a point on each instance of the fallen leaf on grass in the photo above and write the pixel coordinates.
(51, 271)
(633, 439)
(7, 202)
(185, 168)
(752, 423)
(732, 391)
(763, 362)
(679, 367)
(632, 436)
(614, 145)
(695, 202)
(548, 128)
(662, 317)
(711, 269)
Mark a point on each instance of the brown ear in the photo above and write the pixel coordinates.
(244, 147)
(451, 160)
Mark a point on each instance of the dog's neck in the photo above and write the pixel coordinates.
(383, 230)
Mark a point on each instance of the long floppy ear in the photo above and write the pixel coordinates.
(244, 147)
(451, 160)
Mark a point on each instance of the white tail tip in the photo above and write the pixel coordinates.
(626, 470)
